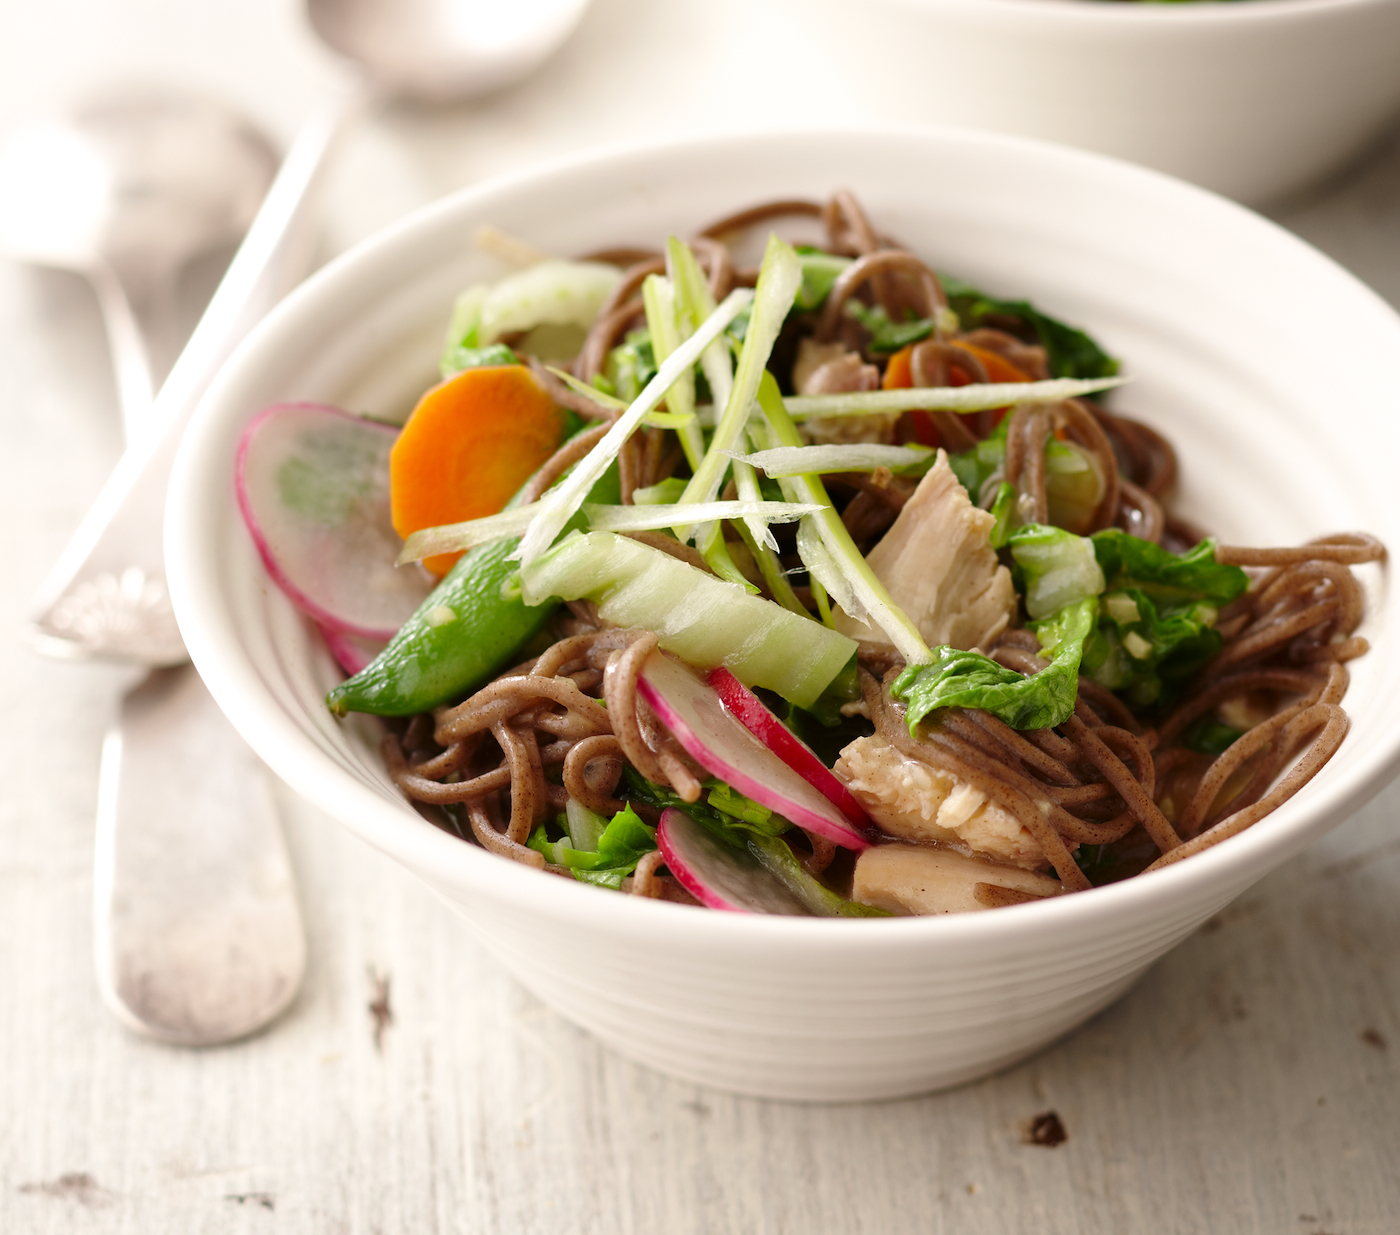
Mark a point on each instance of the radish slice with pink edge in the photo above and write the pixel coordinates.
(313, 486)
(718, 875)
(715, 739)
(781, 740)
(351, 652)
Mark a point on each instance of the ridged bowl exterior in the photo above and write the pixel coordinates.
(1231, 329)
(1255, 100)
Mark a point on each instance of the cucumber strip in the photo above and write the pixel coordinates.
(659, 298)
(746, 482)
(558, 506)
(974, 398)
(772, 571)
(654, 420)
(774, 854)
(717, 556)
(847, 559)
(816, 460)
(600, 397)
(664, 493)
(555, 291)
(694, 303)
(452, 537)
(643, 518)
(703, 620)
(822, 566)
(779, 278)
(765, 549)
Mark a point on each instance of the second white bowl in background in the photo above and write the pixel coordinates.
(1255, 99)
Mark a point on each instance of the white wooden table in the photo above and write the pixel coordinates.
(1249, 1083)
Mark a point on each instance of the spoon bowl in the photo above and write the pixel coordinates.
(127, 191)
(443, 50)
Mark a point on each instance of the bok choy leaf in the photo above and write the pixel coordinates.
(954, 678)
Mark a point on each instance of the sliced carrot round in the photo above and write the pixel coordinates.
(899, 374)
(468, 446)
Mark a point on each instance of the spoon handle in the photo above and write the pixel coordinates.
(198, 935)
(106, 595)
(131, 363)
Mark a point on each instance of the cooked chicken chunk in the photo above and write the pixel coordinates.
(828, 369)
(939, 566)
(911, 799)
(912, 879)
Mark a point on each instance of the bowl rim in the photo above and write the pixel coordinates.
(1212, 876)
(1109, 13)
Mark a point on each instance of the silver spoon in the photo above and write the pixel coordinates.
(198, 935)
(106, 595)
(128, 190)
(199, 939)
(445, 50)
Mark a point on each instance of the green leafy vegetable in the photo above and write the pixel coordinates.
(1003, 510)
(731, 802)
(728, 827)
(1157, 624)
(1149, 654)
(819, 271)
(622, 844)
(887, 336)
(780, 861)
(631, 365)
(1211, 737)
(459, 357)
(955, 678)
(1056, 567)
(1068, 352)
(1128, 561)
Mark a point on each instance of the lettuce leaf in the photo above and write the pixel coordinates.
(1068, 352)
(622, 844)
(1157, 623)
(780, 861)
(820, 270)
(459, 357)
(731, 802)
(1055, 568)
(631, 365)
(713, 814)
(955, 678)
(886, 335)
(1129, 562)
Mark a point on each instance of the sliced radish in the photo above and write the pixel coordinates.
(781, 740)
(313, 486)
(352, 652)
(711, 735)
(717, 875)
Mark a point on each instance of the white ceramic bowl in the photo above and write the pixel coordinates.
(1231, 327)
(1254, 99)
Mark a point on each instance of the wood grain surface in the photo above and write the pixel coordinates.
(1249, 1083)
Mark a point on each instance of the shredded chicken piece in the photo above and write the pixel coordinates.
(938, 563)
(912, 879)
(827, 369)
(913, 800)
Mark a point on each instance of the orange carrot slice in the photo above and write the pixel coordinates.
(468, 446)
(899, 374)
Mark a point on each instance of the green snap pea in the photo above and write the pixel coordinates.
(464, 634)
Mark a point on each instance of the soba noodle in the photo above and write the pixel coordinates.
(566, 723)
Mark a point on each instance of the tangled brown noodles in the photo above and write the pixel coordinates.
(562, 725)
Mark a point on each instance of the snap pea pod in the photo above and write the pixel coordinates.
(461, 636)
